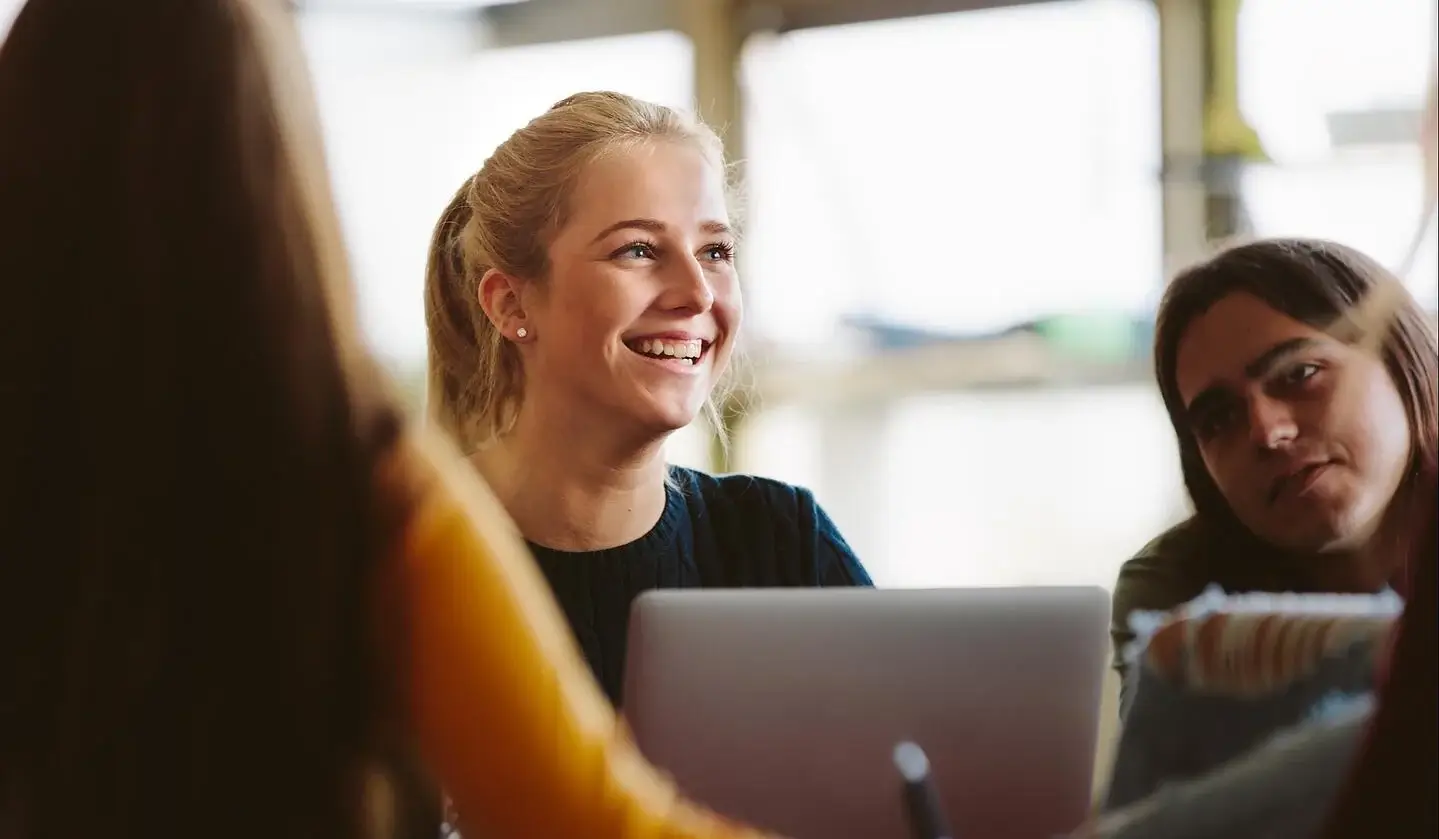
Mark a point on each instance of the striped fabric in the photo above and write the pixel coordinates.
(1224, 673)
(1253, 654)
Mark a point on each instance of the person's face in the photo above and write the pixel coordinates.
(1305, 436)
(639, 314)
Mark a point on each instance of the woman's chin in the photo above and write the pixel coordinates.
(663, 417)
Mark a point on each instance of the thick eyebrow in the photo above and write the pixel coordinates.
(1260, 367)
(714, 228)
(1270, 358)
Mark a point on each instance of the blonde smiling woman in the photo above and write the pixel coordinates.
(583, 305)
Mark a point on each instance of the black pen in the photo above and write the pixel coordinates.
(921, 799)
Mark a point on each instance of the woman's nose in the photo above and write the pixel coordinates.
(1271, 423)
(688, 288)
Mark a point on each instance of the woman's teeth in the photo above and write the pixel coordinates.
(684, 351)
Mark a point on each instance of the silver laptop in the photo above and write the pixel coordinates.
(782, 707)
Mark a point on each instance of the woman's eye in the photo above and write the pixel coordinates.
(1300, 373)
(636, 250)
(719, 253)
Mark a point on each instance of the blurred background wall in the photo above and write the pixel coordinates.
(961, 214)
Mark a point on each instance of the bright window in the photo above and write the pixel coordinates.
(1309, 72)
(8, 10)
(962, 172)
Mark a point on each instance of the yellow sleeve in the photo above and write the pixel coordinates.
(506, 713)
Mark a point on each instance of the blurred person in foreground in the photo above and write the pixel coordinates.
(237, 590)
(1301, 452)
(583, 304)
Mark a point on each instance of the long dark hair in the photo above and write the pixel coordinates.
(190, 528)
(1315, 282)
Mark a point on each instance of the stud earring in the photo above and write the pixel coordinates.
(521, 332)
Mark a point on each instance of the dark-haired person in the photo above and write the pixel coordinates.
(1367, 771)
(238, 594)
(1300, 451)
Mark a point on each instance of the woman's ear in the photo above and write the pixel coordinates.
(499, 295)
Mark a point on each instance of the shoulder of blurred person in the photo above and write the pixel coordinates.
(1283, 787)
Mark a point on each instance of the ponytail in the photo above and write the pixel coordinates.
(448, 322)
(474, 381)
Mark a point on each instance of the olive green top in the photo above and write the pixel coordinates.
(1182, 562)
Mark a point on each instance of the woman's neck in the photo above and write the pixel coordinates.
(568, 489)
(1370, 565)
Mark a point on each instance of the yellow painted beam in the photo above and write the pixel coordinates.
(1226, 131)
(718, 29)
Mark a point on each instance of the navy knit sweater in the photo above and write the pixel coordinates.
(735, 531)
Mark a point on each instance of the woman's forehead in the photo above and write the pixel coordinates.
(1230, 341)
(672, 183)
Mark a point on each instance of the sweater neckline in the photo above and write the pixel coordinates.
(660, 536)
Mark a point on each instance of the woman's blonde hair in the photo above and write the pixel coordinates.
(505, 217)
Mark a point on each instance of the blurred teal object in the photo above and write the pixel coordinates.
(1102, 336)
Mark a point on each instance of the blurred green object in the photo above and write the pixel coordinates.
(1106, 337)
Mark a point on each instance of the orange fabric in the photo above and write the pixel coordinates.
(507, 715)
